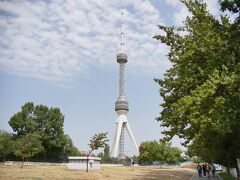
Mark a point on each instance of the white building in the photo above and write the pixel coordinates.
(80, 162)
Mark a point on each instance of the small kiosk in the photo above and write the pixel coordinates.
(80, 162)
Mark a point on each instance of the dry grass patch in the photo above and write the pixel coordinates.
(106, 173)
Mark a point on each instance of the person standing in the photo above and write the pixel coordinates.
(132, 164)
(199, 169)
(204, 169)
(213, 170)
(208, 169)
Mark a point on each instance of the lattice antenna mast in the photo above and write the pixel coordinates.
(122, 94)
(122, 33)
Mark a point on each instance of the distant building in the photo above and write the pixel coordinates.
(80, 162)
(85, 153)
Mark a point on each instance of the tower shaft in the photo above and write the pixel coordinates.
(121, 79)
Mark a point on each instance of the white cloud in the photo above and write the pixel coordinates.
(58, 40)
(173, 2)
(182, 12)
(180, 15)
(213, 7)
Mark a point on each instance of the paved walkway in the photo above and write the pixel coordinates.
(196, 177)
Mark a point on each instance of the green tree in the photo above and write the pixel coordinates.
(201, 91)
(97, 141)
(231, 5)
(27, 146)
(174, 155)
(148, 151)
(105, 156)
(23, 122)
(6, 145)
(69, 148)
(48, 124)
(151, 151)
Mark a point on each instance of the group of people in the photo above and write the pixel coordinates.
(205, 169)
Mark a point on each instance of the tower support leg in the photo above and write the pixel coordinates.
(131, 136)
(116, 140)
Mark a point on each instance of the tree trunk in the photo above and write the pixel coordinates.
(22, 162)
(87, 163)
(228, 169)
(237, 169)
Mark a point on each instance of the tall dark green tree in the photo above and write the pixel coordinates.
(201, 91)
(47, 123)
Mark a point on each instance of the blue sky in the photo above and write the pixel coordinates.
(63, 54)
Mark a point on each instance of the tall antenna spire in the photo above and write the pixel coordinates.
(122, 33)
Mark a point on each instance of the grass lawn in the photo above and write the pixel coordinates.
(111, 173)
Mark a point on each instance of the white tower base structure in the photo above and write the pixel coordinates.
(121, 107)
(122, 123)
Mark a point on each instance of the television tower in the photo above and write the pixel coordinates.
(121, 106)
